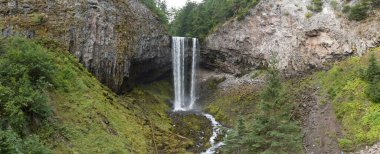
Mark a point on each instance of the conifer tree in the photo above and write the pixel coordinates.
(273, 131)
(373, 79)
(234, 138)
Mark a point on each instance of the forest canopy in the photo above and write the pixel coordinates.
(197, 20)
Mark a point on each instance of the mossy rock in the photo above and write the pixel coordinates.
(195, 127)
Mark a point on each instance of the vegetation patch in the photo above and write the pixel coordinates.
(197, 20)
(316, 6)
(227, 106)
(308, 15)
(50, 103)
(272, 130)
(348, 86)
(361, 9)
(159, 8)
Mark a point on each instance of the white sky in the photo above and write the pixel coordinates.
(178, 3)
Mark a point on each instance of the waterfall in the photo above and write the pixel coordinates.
(182, 100)
(185, 94)
(193, 74)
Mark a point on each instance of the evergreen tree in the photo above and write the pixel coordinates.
(373, 70)
(197, 20)
(273, 131)
(373, 79)
(234, 138)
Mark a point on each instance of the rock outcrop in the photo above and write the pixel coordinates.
(283, 27)
(117, 40)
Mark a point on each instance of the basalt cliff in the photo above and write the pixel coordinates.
(119, 41)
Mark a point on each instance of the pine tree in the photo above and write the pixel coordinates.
(273, 131)
(373, 91)
(234, 138)
(373, 79)
(373, 70)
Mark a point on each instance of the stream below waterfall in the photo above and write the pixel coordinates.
(185, 83)
(215, 133)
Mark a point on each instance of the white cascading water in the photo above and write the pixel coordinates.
(182, 101)
(194, 63)
(187, 102)
(215, 133)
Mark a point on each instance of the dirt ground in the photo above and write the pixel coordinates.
(319, 124)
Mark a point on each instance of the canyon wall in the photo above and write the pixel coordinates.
(284, 27)
(116, 40)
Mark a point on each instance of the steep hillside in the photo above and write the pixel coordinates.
(304, 37)
(67, 110)
(111, 38)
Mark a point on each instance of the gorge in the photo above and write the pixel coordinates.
(245, 76)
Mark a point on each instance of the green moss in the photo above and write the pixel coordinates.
(227, 106)
(37, 18)
(196, 128)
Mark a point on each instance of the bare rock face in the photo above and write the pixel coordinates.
(109, 37)
(282, 27)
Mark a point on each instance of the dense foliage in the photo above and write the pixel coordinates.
(26, 71)
(360, 10)
(273, 130)
(197, 20)
(48, 100)
(11, 142)
(159, 8)
(372, 77)
(316, 6)
(347, 86)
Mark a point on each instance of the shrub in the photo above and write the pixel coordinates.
(316, 6)
(346, 9)
(358, 12)
(345, 144)
(158, 8)
(308, 15)
(10, 142)
(334, 4)
(38, 18)
(374, 3)
(26, 70)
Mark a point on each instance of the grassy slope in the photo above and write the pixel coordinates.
(89, 118)
(227, 106)
(359, 118)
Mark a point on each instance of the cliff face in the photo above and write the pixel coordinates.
(282, 26)
(109, 37)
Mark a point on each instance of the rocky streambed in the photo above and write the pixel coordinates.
(201, 128)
